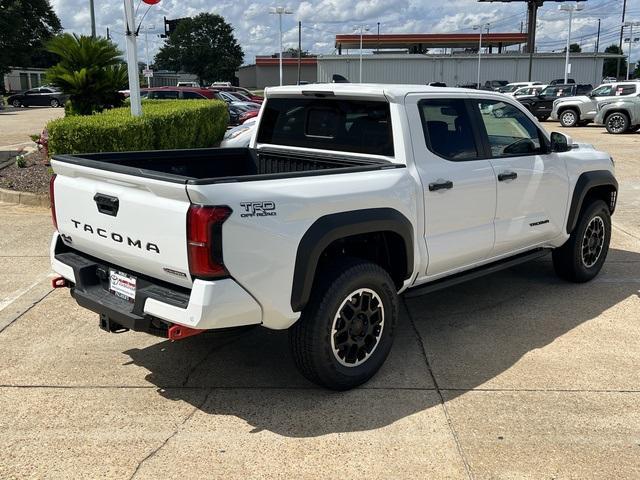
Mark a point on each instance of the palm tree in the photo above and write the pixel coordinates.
(90, 70)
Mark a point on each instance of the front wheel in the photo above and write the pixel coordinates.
(16, 103)
(616, 123)
(54, 103)
(346, 330)
(569, 118)
(582, 256)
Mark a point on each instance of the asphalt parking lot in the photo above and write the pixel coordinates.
(516, 375)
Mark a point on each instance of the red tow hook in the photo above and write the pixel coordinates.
(59, 282)
(178, 332)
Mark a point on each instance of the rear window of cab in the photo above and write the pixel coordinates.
(356, 126)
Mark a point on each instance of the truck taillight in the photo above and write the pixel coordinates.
(52, 199)
(204, 240)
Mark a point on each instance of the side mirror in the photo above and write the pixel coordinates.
(561, 142)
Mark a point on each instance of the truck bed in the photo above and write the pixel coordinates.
(219, 165)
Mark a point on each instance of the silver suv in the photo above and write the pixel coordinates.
(580, 110)
(619, 115)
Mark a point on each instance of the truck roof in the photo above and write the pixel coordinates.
(391, 91)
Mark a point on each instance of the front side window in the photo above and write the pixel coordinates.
(603, 91)
(509, 131)
(448, 129)
(360, 126)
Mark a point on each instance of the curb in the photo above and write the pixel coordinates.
(24, 198)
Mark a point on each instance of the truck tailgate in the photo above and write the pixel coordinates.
(134, 222)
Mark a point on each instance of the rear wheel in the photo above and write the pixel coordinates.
(617, 122)
(569, 118)
(346, 331)
(54, 103)
(582, 256)
(16, 103)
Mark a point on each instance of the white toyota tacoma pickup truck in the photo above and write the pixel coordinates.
(348, 196)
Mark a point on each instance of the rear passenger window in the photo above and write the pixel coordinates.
(625, 90)
(447, 128)
(358, 126)
(509, 131)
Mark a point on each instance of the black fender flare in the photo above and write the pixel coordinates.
(587, 181)
(329, 228)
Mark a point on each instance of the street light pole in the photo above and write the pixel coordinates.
(630, 25)
(132, 58)
(568, 8)
(280, 11)
(480, 27)
(93, 18)
(362, 29)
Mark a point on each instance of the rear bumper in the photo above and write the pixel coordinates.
(208, 305)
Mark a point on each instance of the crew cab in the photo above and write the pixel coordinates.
(348, 196)
(619, 115)
(581, 110)
(542, 104)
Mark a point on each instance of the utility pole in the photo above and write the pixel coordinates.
(624, 11)
(362, 30)
(598, 38)
(480, 27)
(280, 11)
(108, 34)
(520, 45)
(378, 48)
(299, 49)
(630, 25)
(93, 19)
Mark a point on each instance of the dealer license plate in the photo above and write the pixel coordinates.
(122, 285)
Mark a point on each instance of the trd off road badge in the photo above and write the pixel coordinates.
(258, 209)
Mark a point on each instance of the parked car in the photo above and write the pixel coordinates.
(176, 243)
(512, 87)
(231, 99)
(248, 115)
(524, 92)
(39, 97)
(471, 85)
(609, 79)
(177, 93)
(188, 84)
(239, 136)
(581, 110)
(495, 85)
(236, 110)
(247, 93)
(436, 84)
(560, 81)
(542, 104)
(619, 115)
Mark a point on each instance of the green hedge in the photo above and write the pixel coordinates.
(164, 125)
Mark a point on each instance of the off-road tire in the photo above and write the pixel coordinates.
(310, 338)
(569, 260)
(617, 123)
(569, 118)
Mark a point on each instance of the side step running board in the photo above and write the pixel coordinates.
(476, 272)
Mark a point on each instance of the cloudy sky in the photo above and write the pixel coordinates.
(257, 31)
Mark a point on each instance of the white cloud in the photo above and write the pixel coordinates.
(257, 30)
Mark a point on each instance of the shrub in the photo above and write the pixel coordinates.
(164, 125)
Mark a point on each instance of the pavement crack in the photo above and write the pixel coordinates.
(454, 434)
(154, 452)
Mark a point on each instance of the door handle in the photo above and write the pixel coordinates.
(507, 176)
(107, 204)
(446, 185)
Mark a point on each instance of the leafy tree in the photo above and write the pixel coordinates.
(203, 45)
(610, 66)
(24, 27)
(293, 52)
(90, 71)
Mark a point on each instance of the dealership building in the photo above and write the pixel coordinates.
(411, 59)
